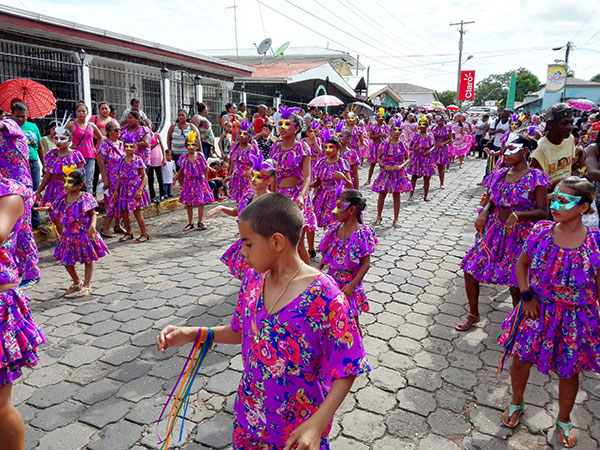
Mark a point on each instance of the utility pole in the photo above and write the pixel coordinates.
(567, 51)
(234, 7)
(462, 23)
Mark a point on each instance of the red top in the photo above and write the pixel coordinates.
(258, 124)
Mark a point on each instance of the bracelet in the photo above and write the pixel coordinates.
(479, 209)
(526, 296)
(515, 214)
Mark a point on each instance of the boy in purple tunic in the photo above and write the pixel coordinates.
(300, 344)
(14, 163)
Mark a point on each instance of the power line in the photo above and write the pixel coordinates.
(589, 17)
(262, 21)
(402, 24)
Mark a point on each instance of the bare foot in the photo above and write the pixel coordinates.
(427, 199)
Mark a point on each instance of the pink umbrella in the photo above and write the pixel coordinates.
(325, 100)
(428, 106)
(582, 103)
(452, 108)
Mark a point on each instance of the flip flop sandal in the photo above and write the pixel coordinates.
(201, 226)
(312, 253)
(106, 235)
(377, 221)
(142, 238)
(73, 289)
(512, 410)
(126, 237)
(466, 324)
(188, 227)
(84, 292)
(395, 224)
(566, 429)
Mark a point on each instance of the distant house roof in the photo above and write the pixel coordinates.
(389, 91)
(572, 82)
(283, 69)
(358, 83)
(401, 88)
(62, 31)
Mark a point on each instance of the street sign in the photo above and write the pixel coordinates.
(467, 85)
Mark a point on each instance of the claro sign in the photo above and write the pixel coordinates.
(467, 85)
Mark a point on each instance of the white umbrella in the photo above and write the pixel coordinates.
(361, 108)
(325, 100)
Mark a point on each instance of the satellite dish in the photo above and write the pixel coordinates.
(280, 50)
(263, 48)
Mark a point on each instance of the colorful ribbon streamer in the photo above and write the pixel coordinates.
(198, 352)
(518, 318)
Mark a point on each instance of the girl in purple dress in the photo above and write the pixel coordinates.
(131, 193)
(292, 163)
(347, 247)
(378, 132)
(443, 142)
(192, 176)
(329, 172)
(357, 138)
(517, 198)
(134, 132)
(240, 158)
(74, 216)
(422, 161)
(109, 154)
(349, 154)
(393, 158)
(262, 180)
(300, 345)
(19, 334)
(63, 156)
(558, 274)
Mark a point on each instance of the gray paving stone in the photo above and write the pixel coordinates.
(147, 411)
(537, 419)
(140, 388)
(225, 384)
(89, 373)
(136, 325)
(108, 411)
(102, 328)
(404, 424)
(416, 401)
(111, 340)
(479, 441)
(81, 356)
(363, 425)
(459, 377)
(32, 437)
(486, 421)
(387, 379)
(72, 437)
(52, 395)
(405, 345)
(130, 371)
(121, 355)
(388, 443)
(216, 432)
(117, 436)
(56, 416)
(424, 379)
(435, 442)
(447, 423)
(97, 391)
(128, 315)
(430, 360)
(375, 400)
(95, 317)
(396, 361)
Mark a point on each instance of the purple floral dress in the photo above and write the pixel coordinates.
(354, 143)
(441, 154)
(233, 257)
(136, 136)
(289, 163)
(565, 338)
(290, 358)
(324, 197)
(492, 259)
(421, 163)
(343, 258)
(14, 164)
(113, 153)
(315, 155)
(373, 153)
(54, 166)
(74, 245)
(397, 180)
(129, 176)
(195, 190)
(19, 334)
(239, 184)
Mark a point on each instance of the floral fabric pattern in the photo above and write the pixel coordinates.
(396, 180)
(112, 152)
(324, 198)
(195, 190)
(54, 165)
(130, 181)
(422, 163)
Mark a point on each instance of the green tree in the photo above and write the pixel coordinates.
(495, 86)
(596, 78)
(447, 97)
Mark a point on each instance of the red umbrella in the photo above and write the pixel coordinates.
(452, 108)
(39, 98)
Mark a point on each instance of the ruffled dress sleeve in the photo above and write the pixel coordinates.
(494, 177)
(88, 202)
(533, 179)
(139, 163)
(76, 157)
(50, 160)
(326, 241)
(363, 242)
(344, 165)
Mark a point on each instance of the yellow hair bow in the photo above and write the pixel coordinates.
(67, 170)
(192, 137)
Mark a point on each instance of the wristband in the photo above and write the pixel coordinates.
(515, 214)
(526, 296)
(479, 209)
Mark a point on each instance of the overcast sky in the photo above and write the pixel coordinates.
(402, 41)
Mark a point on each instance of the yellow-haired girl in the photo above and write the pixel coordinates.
(193, 177)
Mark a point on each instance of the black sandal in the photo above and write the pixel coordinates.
(312, 253)
(142, 238)
(126, 237)
(188, 227)
(201, 226)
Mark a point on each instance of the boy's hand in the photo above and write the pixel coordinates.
(213, 212)
(172, 336)
(306, 437)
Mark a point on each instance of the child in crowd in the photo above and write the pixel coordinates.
(157, 160)
(347, 247)
(226, 141)
(263, 179)
(192, 177)
(224, 174)
(393, 157)
(74, 216)
(131, 193)
(423, 161)
(300, 345)
(19, 334)
(351, 155)
(558, 275)
(215, 180)
(63, 156)
(240, 157)
(168, 171)
(378, 132)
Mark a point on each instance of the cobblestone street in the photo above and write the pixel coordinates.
(101, 383)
